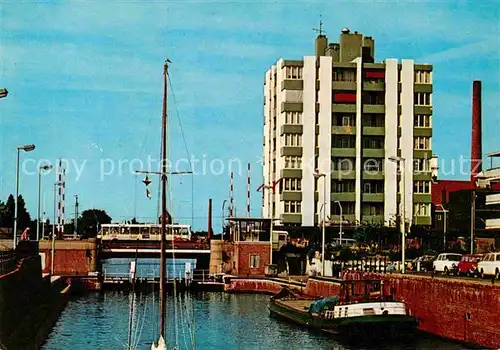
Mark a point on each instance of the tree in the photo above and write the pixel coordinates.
(23, 217)
(90, 220)
(7, 213)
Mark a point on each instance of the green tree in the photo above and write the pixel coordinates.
(23, 217)
(90, 221)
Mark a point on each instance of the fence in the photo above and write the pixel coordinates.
(8, 262)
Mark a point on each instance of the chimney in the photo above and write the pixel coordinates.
(209, 234)
(476, 141)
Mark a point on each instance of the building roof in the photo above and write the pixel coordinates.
(493, 154)
(441, 189)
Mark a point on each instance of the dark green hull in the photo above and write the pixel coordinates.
(365, 327)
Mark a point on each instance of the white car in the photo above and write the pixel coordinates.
(490, 265)
(446, 262)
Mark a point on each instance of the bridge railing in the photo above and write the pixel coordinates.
(201, 275)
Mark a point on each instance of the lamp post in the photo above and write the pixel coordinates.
(57, 183)
(222, 234)
(267, 187)
(26, 148)
(444, 211)
(317, 175)
(398, 160)
(340, 233)
(42, 167)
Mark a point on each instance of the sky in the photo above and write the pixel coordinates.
(85, 84)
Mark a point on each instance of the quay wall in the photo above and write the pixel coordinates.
(29, 305)
(260, 285)
(462, 310)
(71, 258)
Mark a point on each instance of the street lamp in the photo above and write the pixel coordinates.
(317, 175)
(340, 233)
(397, 160)
(444, 211)
(222, 234)
(40, 169)
(57, 183)
(3, 93)
(267, 187)
(26, 148)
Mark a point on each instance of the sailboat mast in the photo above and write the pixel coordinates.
(163, 202)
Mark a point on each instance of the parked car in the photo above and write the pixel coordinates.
(490, 265)
(447, 262)
(425, 263)
(468, 264)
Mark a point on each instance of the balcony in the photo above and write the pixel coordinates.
(422, 176)
(291, 107)
(291, 151)
(291, 129)
(291, 196)
(422, 220)
(374, 130)
(374, 86)
(422, 132)
(292, 84)
(344, 152)
(343, 174)
(291, 218)
(373, 175)
(344, 85)
(343, 108)
(421, 197)
(418, 87)
(373, 152)
(373, 197)
(291, 173)
(372, 219)
(422, 153)
(343, 196)
(343, 130)
(422, 110)
(368, 109)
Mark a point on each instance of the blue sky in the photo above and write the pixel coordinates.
(85, 83)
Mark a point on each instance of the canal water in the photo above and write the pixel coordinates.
(219, 320)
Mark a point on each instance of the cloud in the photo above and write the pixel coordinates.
(484, 49)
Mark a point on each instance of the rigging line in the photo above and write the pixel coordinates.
(138, 336)
(185, 146)
(135, 195)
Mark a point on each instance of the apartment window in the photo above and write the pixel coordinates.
(347, 208)
(293, 117)
(421, 187)
(422, 142)
(293, 207)
(343, 164)
(316, 118)
(422, 99)
(372, 209)
(422, 209)
(293, 72)
(422, 121)
(343, 119)
(254, 261)
(373, 187)
(274, 144)
(374, 98)
(373, 164)
(292, 184)
(292, 140)
(373, 120)
(340, 74)
(420, 164)
(343, 141)
(399, 142)
(373, 142)
(343, 186)
(423, 77)
(293, 162)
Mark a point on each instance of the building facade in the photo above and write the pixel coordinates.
(340, 114)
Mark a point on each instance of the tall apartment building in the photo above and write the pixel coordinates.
(343, 114)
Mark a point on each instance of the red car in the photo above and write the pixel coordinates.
(468, 264)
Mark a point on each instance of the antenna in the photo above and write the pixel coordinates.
(320, 30)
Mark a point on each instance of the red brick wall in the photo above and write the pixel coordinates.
(321, 288)
(442, 306)
(70, 257)
(255, 285)
(243, 252)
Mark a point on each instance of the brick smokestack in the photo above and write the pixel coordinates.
(476, 140)
(209, 234)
